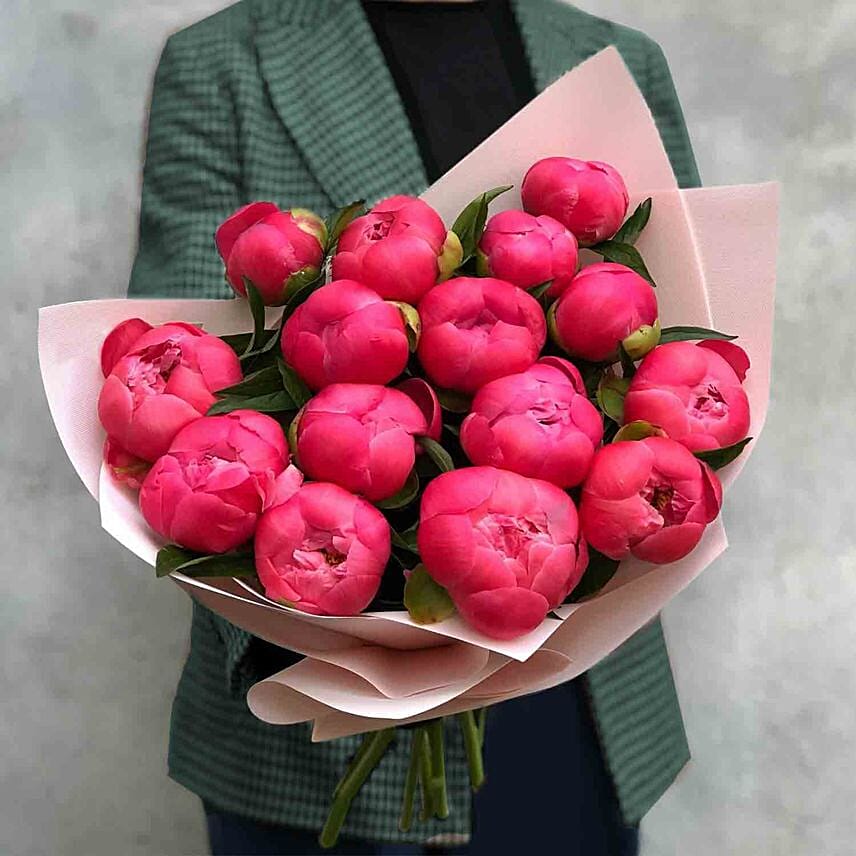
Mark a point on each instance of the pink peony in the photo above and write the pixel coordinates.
(400, 249)
(526, 251)
(693, 393)
(538, 423)
(587, 197)
(359, 436)
(271, 248)
(209, 490)
(120, 340)
(165, 381)
(606, 304)
(507, 548)
(345, 333)
(651, 498)
(476, 329)
(324, 551)
(426, 400)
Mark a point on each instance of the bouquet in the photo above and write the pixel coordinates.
(449, 461)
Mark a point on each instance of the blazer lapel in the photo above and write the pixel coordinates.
(328, 81)
(558, 36)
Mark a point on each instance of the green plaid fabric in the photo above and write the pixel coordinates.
(290, 100)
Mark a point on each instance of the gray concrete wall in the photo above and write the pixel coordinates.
(762, 643)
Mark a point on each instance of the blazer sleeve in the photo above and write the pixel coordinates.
(191, 179)
(659, 91)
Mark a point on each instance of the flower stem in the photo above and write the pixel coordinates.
(473, 746)
(355, 776)
(420, 742)
(406, 819)
(481, 719)
(438, 769)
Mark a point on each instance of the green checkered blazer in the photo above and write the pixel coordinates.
(291, 100)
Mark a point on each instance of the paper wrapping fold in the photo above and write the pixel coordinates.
(712, 253)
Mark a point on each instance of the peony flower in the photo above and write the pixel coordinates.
(345, 333)
(426, 400)
(651, 498)
(208, 491)
(359, 436)
(506, 548)
(400, 249)
(606, 304)
(693, 393)
(476, 329)
(324, 551)
(526, 251)
(538, 423)
(587, 197)
(273, 249)
(165, 381)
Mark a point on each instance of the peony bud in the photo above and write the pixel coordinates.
(526, 251)
(606, 304)
(400, 249)
(275, 250)
(346, 333)
(587, 197)
(476, 329)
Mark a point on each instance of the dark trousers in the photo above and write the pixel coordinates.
(547, 792)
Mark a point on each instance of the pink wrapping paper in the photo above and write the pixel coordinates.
(712, 253)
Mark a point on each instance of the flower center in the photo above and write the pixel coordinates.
(551, 414)
(709, 403)
(672, 506)
(379, 229)
(323, 551)
(197, 470)
(152, 368)
(511, 536)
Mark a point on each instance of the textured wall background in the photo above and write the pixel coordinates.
(762, 644)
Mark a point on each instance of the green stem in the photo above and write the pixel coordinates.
(406, 819)
(438, 769)
(355, 776)
(473, 746)
(481, 719)
(420, 736)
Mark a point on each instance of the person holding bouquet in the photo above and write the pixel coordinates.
(315, 103)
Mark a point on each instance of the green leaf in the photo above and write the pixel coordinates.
(262, 382)
(294, 386)
(412, 323)
(257, 308)
(340, 219)
(437, 453)
(454, 402)
(301, 295)
(637, 430)
(469, 224)
(718, 458)
(238, 563)
(635, 223)
(623, 254)
(538, 291)
(610, 396)
(238, 341)
(405, 540)
(426, 601)
(691, 334)
(405, 496)
(271, 402)
(600, 570)
(171, 558)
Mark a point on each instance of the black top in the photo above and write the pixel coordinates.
(460, 68)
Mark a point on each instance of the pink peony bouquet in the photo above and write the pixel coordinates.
(439, 441)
